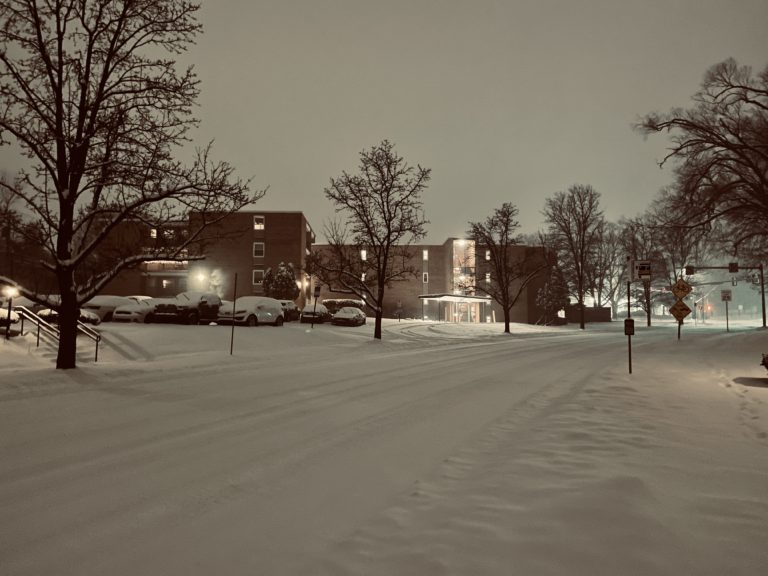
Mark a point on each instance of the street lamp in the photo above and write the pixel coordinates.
(10, 292)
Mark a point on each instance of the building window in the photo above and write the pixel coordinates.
(258, 222)
(425, 278)
(487, 277)
(362, 277)
(487, 255)
(153, 232)
(258, 277)
(258, 249)
(363, 255)
(425, 255)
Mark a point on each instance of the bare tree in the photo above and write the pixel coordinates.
(510, 266)
(574, 220)
(721, 149)
(372, 246)
(85, 95)
(639, 238)
(608, 268)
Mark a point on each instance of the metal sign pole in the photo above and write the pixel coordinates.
(629, 327)
(232, 332)
(762, 292)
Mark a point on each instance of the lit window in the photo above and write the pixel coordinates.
(487, 254)
(425, 278)
(362, 277)
(425, 255)
(258, 222)
(258, 249)
(363, 255)
(258, 277)
(487, 277)
(153, 232)
(167, 283)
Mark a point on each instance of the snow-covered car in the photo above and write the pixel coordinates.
(4, 316)
(104, 305)
(348, 316)
(316, 313)
(138, 311)
(290, 310)
(336, 304)
(86, 316)
(188, 308)
(252, 311)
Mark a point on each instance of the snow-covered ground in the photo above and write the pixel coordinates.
(443, 449)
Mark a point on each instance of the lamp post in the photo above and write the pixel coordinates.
(10, 292)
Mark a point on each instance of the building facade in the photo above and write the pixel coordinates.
(444, 286)
(235, 258)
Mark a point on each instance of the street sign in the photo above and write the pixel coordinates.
(629, 326)
(725, 295)
(641, 270)
(679, 310)
(681, 289)
(317, 291)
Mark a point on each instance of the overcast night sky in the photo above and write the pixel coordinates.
(504, 100)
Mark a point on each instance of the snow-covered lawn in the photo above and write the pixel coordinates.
(443, 449)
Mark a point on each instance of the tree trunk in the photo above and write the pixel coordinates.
(582, 313)
(68, 316)
(379, 311)
(377, 325)
(506, 321)
(647, 289)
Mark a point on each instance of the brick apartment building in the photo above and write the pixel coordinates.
(250, 243)
(440, 291)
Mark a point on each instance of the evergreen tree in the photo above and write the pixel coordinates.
(281, 284)
(553, 296)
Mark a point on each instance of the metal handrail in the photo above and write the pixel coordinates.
(53, 330)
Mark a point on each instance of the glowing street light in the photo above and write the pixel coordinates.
(10, 292)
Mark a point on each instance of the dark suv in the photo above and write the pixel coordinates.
(188, 308)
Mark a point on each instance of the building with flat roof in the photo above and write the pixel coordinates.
(243, 245)
(444, 288)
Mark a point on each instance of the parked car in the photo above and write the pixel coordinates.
(23, 301)
(336, 304)
(252, 310)
(104, 305)
(14, 317)
(316, 313)
(349, 316)
(290, 310)
(188, 308)
(138, 311)
(86, 316)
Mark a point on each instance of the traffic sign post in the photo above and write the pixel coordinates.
(725, 296)
(680, 309)
(629, 331)
(314, 310)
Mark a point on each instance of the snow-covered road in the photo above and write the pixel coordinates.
(440, 450)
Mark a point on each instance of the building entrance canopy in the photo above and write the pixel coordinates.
(460, 298)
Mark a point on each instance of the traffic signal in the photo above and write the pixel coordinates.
(690, 270)
(733, 267)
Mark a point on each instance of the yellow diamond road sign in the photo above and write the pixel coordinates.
(681, 289)
(679, 310)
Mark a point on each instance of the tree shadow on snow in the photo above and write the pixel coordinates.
(757, 382)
